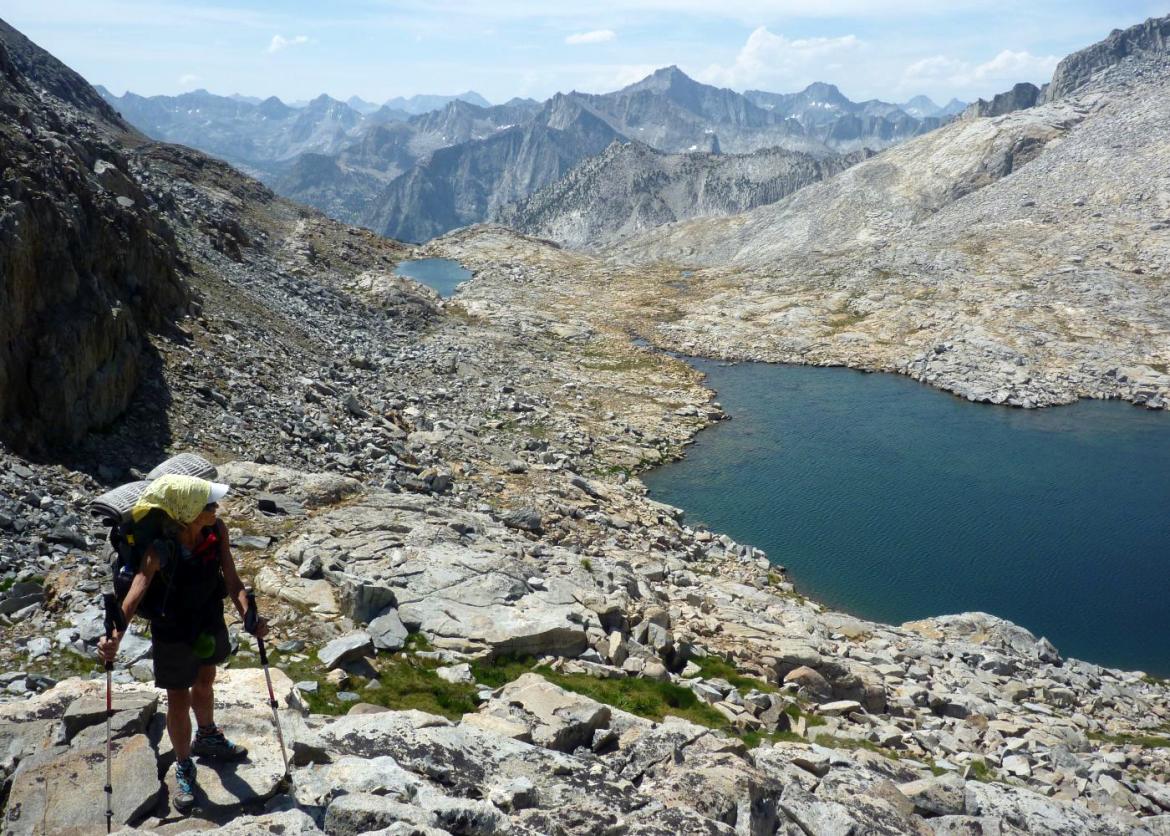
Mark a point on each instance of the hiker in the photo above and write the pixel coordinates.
(187, 570)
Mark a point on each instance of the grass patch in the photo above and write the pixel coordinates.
(629, 363)
(416, 642)
(7, 584)
(63, 664)
(796, 712)
(755, 738)
(587, 564)
(404, 682)
(1145, 741)
(845, 320)
(499, 672)
(713, 667)
(644, 697)
(851, 744)
(980, 771)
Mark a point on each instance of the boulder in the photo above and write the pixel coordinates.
(361, 600)
(346, 649)
(357, 813)
(319, 785)
(555, 718)
(137, 706)
(19, 740)
(531, 627)
(286, 823)
(233, 786)
(811, 682)
(388, 631)
(313, 490)
(940, 795)
(316, 595)
(721, 786)
(523, 519)
(60, 791)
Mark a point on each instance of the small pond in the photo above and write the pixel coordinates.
(442, 274)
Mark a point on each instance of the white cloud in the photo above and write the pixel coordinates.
(187, 79)
(776, 62)
(597, 36)
(280, 42)
(1002, 71)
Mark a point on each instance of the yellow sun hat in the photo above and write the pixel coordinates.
(182, 498)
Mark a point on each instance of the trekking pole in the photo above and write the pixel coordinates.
(113, 620)
(251, 620)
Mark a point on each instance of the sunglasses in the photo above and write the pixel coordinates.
(211, 506)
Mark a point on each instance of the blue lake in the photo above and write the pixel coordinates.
(442, 274)
(894, 501)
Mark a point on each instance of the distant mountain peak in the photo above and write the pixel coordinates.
(921, 101)
(823, 88)
(662, 80)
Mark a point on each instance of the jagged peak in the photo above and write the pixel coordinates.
(662, 80)
(1077, 69)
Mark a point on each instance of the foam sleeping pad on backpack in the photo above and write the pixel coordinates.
(116, 504)
(185, 464)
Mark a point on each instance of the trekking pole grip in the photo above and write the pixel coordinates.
(113, 620)
(252, 621)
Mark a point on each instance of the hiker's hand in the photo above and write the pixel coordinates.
(108, 648)
(261, 627)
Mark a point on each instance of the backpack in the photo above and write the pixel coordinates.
(130, 540)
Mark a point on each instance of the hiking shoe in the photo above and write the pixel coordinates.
(217, 747)
(185, 781)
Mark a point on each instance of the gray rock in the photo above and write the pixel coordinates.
(346, 649)
(89, 711)
(61, 790)
(353, 814)
(362, 600)
(388, 631)
(809, 680)
(941, 795)
(455, 674)
(523, 519)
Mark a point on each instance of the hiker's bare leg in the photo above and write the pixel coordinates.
(202, 697)
(179, 721)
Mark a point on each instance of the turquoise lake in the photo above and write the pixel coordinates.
(442, 274)
(894, 501)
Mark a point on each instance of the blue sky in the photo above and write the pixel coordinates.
(378, 49)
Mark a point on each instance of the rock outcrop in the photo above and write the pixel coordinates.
(88, 268)
(1021, 96)
(1075, 71)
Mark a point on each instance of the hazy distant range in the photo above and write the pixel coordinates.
(412, 168)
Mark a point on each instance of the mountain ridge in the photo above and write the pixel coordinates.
(667, 110)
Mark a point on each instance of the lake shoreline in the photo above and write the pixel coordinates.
(709, 368)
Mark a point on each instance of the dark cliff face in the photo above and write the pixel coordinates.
(1074, 71)
(86, 267)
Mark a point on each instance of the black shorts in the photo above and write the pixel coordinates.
(177, 664)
